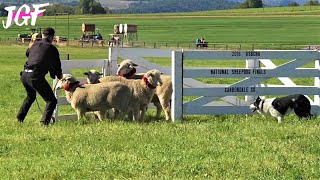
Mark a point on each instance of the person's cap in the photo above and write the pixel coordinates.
(49, 31)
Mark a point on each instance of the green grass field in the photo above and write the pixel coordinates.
(200, 147)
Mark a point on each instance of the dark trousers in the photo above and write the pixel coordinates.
(40, 85)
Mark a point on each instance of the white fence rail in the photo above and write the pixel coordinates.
(251, 86)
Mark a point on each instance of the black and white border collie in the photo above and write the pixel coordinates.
(279, 107)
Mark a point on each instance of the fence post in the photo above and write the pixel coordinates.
(112, 61)
(317, 84)
(252, 63)
(154, 45)
(177, 84)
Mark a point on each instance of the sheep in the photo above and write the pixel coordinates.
(143, 89)
(95, 97)
(164, 93)
(139, 93)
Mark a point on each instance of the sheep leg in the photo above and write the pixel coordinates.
(80, 114)
(165, 103)
(143, 113)
(116, 113)
(130, 115)
(95, 114)
(159, 109)
(136, 114)
(101, 115)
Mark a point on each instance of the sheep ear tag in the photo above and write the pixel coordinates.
(66, 86)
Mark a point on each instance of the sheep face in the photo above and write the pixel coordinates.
(93, 76)
(126, 67)
(153, 77)
(65, 81)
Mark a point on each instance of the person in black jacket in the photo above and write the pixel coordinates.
(43, 57)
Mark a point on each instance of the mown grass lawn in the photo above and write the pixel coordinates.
(200, 147)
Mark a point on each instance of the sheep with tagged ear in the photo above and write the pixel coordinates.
(95, 97)
(163, 99)
(143, 89)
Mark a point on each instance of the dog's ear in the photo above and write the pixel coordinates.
(86, 73)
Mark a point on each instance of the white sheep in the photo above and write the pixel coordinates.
(143, 89)
(127, 69)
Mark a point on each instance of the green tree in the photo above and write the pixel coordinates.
(90, 7)
(96, 8)
(251, 4)
(312, 3)
(84, 6)
(293, 4)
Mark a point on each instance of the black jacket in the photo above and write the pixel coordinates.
(43, 57)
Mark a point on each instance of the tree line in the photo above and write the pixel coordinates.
(146, 6)
(157, 6)
(259, 3)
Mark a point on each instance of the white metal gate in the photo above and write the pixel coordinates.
(250, 86)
